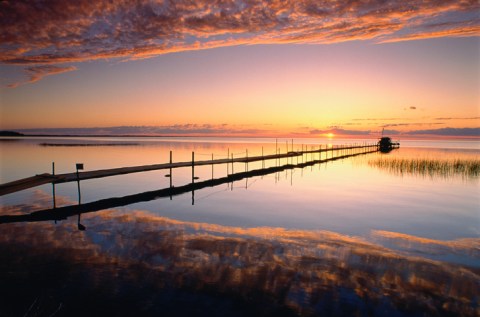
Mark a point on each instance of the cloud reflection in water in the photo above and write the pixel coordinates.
(136, 262)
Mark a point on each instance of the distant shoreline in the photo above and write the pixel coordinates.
(14, 134)
(89, 144)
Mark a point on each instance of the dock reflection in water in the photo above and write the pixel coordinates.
(138, 263)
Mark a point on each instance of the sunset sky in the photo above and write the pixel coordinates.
(297, 68)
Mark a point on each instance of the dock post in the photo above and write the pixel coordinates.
(263, 160)
(313, 156)
(319, 156)
(193, 167)
(276, 152)
(212, 166)
(286, 142)
(171, 176)
(53, 188)
(193, 177)
(246, 160)
(231, 185)
(79, 166)
(228, 156)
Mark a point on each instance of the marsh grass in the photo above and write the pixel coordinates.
(467, 168)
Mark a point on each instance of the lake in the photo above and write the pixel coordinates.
(346, 237)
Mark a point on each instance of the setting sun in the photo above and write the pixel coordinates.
(330, 135)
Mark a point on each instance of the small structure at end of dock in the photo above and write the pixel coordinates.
(385, 144)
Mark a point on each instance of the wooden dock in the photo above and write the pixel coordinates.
(47, 178)
(62, 213)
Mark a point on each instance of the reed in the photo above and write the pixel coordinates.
(429, 167)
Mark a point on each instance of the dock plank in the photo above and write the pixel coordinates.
(26, 183)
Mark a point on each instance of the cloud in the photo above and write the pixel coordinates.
(55, 32)
(402, 124)
(339, 130)
(448, 132)
(35, 73)
(375, 119)
(168, 130)
(398, 125)
(390, 132)
(190, 129)
(456, 118)
(461, 31)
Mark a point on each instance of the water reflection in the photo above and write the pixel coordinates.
(137, 263)
(226, 256)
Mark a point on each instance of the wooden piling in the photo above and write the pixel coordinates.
(53, 187)
(193, 167)
(171, 175)
(78, 187)
(263, 159)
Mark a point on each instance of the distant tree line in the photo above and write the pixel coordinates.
(11, 133)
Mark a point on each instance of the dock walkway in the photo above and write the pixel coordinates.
(47, 178)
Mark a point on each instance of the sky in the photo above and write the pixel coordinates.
(240, 67)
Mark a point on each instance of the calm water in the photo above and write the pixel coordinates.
(340, 238)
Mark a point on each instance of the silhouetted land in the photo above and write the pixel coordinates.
(88, 144)
(11, 133)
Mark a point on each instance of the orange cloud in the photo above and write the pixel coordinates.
(39, 33)
(36, 73)
(470, 244)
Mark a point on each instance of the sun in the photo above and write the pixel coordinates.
(330, 135)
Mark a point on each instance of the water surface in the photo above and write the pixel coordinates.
(337, 238)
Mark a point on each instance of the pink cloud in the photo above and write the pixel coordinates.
(35, 73)
(54, 32)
